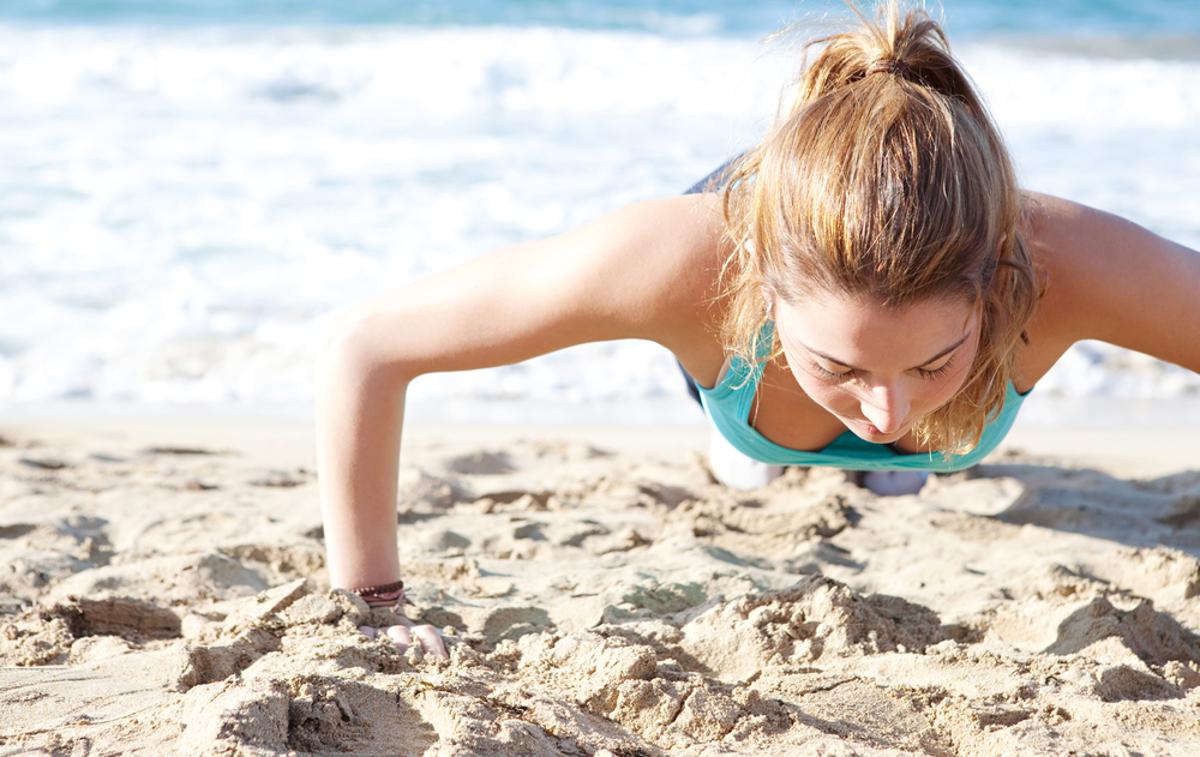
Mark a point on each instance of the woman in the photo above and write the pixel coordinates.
(866, 288)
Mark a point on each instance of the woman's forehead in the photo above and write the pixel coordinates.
(858, 329)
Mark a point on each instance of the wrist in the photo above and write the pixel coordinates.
(382, 595)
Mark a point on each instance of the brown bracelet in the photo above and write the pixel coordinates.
(383, 595)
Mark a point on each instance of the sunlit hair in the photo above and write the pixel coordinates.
(885, 178)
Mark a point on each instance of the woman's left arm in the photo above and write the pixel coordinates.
(1120, 283)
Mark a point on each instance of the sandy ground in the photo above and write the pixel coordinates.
(162, 591)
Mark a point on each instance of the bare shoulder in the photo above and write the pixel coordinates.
(1110, 279)
(670, 275)
(1047, 230)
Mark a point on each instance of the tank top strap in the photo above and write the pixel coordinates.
(747, 377)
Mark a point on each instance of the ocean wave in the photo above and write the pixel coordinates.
(454, 72)
(184, 210)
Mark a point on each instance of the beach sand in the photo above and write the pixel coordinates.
(162, 590)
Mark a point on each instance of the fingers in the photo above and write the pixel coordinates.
(430, 640)
(400, 636)
(403, 636)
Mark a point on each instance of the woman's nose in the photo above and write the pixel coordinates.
(886, 407)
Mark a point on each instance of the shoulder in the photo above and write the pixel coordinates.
(685, 230)
(667, 264)
(1049, 230)
(1084, 254)
(1067, 242)
(1110, 279)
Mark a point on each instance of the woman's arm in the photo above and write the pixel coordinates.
(1120, 283)
(631, 274)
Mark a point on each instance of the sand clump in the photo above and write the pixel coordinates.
(816, 617)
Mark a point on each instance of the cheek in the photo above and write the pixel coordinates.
(833, 397)
(934, 394)
(930, 395)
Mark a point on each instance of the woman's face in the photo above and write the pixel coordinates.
(878, 370)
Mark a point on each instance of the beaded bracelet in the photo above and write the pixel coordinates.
(383, 595)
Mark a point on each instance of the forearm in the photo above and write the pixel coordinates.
(359, 414)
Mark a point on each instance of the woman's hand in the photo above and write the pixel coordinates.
(406, 632)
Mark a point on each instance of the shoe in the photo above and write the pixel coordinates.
(893, 483)
(735, 469)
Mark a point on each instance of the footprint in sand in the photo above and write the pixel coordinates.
(44, 463)
(184, 451)
(482, 463)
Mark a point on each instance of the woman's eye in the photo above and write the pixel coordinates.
(831, 375)
(936, 372)
(926, 374)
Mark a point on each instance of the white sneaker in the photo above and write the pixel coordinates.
(893, 483)
(735, 469)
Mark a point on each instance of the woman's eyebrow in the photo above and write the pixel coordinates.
(833, 359)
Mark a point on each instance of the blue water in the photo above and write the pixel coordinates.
(965, 18)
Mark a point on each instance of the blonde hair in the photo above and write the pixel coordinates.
(886, 178)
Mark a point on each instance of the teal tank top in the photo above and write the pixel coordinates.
(728, 404)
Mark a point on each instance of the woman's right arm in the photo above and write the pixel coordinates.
(630, 274)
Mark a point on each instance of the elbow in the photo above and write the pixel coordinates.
(358, 342)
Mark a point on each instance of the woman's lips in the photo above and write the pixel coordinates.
(872, 430)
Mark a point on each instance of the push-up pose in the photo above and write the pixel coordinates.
(866, 288)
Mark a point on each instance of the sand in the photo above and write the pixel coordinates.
(162, 591)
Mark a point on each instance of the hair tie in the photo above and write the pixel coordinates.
(889, 66)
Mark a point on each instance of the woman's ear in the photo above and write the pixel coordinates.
(767, 293)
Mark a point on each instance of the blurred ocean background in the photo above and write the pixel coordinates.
(190, 189)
